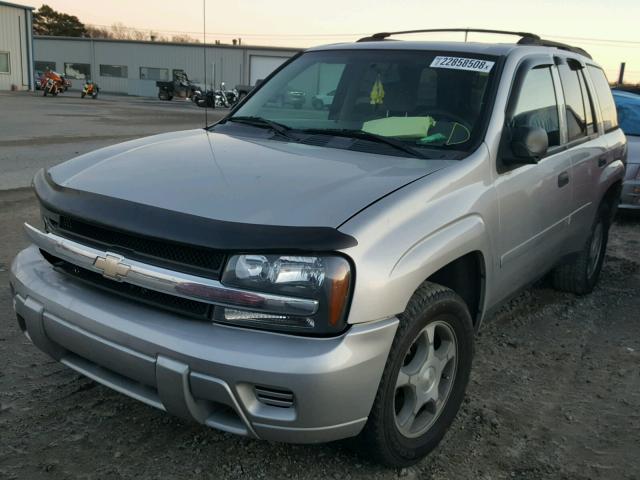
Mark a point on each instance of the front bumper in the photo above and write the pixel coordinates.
(204, 371)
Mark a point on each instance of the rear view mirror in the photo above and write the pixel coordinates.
(528, 145)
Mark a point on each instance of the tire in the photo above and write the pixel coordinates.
(82, 95)
(580, 275)
(318, 104)
(433, 307)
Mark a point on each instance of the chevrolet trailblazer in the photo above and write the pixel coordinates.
(306, 275)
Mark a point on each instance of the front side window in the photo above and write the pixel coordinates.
(78, 71)
(537, 105)
(605, 99)
(150, 73)
(425, 99)
(4, 62)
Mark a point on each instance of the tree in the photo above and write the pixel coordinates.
(47, 21)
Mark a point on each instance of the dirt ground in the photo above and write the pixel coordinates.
(554, 392)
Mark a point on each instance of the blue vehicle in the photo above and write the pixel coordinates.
(628, 106)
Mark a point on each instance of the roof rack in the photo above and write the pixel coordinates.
(525, 37)
(550, 43)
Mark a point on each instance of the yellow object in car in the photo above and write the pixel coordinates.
(401, 127)
(377, 92)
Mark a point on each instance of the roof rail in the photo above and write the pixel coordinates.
(384, 35)
(551, 43)
(525, 37)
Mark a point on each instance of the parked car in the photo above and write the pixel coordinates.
(321, 102)
(309, 278)
(628, 105)
(288, 97)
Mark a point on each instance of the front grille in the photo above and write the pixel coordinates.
(183, 306)
(179, 257)
(274, 397)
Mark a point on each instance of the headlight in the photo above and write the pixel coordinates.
(326, 279)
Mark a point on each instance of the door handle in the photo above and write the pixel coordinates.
(602, 161)
(563, 179)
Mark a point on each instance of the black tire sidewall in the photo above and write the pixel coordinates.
(454, 313)
(603, 216)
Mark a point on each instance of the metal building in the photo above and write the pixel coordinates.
(132, 67)
(16, 47)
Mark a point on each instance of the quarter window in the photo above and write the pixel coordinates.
(537, 105)
(574, 102)
(78, 71)
(118, 71)
(150, 73)
(4, 62)
(605, 99)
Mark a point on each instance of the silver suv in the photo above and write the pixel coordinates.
(306, 275)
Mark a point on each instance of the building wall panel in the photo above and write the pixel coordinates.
(223, 64)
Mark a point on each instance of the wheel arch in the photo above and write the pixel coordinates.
(466, 276)
(454, 257)
(612, 196)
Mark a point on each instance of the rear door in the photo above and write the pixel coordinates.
(588, 149)
(534, 199)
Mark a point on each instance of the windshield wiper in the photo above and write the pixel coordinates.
(260, 122)
(362, 135)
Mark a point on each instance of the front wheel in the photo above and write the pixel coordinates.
(82, 95)
(424, 380)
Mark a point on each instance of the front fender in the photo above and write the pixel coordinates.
(408, 236)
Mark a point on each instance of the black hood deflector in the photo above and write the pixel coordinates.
(177, 227)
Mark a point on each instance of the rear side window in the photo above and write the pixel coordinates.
(588, 103)
(605, 99)
(574, 102)
(537, 105)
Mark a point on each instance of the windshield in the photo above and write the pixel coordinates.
(424, 99)
(628, 105)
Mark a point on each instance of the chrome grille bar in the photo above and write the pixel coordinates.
(121, 269)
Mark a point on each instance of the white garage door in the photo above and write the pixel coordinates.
(261, 66)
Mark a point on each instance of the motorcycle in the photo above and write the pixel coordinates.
(216, 98)
(52, 83)
(90, 89)
(206, 99)
(226, 98)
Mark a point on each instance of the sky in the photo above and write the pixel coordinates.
(609, 30)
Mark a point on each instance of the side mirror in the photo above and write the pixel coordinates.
(528, 145)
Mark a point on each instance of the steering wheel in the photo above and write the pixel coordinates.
(443, 114)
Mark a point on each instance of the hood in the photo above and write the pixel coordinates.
(239, 179)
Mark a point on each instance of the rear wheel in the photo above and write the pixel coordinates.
(318, 104)
(581, 274)
(425, 378)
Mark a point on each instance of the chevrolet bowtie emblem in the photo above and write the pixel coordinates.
(112, 266)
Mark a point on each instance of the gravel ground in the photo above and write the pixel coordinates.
(554, 394)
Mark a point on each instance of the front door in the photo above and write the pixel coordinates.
(534, 199)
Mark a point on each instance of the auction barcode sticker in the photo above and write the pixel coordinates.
(459, 63)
